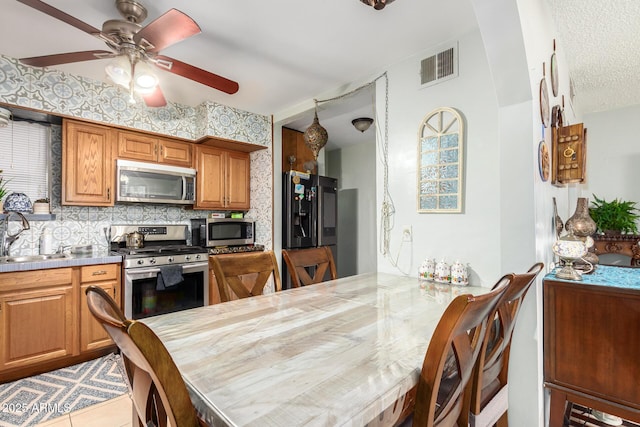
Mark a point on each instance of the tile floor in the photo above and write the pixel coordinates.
(112, 413)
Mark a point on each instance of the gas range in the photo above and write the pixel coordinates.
(163, 245)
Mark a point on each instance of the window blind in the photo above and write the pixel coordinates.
(25, 158)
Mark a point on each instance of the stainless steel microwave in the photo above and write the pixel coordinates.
(212, 232)
(154, 183)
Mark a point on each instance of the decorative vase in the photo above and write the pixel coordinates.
(581, 224)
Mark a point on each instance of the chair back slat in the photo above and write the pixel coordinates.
(300, 263)
(245, 275)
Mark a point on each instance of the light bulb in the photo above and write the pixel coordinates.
(119, 70)
(145, 81)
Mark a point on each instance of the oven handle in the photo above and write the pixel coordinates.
(186, 268)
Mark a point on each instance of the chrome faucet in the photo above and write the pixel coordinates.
(8, 238)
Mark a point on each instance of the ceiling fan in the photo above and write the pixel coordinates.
(133, 48)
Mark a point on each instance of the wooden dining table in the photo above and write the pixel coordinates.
(339, 353)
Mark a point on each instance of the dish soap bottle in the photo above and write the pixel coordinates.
(46, 242)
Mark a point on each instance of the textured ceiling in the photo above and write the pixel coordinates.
(601, 41)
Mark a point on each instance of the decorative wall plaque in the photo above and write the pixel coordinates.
(570, 154)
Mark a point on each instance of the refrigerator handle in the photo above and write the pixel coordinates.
(317, 227)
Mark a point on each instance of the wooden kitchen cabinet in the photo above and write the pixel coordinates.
(38, 317)
(45, 323)
(223, 179)
(107, 277)
(87, 164)
(293, 145)
(149, 148)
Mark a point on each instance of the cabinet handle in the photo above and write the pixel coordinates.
(99, 273)
(109, 194)
(161, 151)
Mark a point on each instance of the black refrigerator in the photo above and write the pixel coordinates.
(309, 214)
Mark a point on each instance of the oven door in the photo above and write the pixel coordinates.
(143, 297)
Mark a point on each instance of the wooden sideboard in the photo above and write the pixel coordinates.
(622, 244)
(592, 342)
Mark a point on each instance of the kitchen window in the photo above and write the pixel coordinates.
(25, 160)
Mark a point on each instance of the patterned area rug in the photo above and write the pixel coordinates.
(33, 400)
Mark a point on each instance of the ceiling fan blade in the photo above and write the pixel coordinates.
(168, 29)
(196, 74)
(66, 58)
(155, 99)
(62, 16)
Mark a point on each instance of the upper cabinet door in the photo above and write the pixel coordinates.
(210, 166)
(175, 153)
(238, 181)
(222, 179)
(87, 164)
(136, 146)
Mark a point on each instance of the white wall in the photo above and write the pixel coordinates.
(613, 154)
(474, 235)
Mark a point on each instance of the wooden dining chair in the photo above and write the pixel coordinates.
(159, 394)
(245, 274)
(441, 399)
(489, 391)
(301, 263)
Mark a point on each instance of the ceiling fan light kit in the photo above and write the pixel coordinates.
(362, 123)
(134, 49)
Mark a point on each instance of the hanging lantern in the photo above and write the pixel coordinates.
(315, 136)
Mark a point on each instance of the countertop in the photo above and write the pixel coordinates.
(73, 261)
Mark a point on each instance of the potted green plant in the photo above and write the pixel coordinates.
(614, 217)
(41, 206)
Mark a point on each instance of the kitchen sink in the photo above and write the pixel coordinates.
(32, 258)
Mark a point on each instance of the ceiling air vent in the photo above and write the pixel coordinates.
(440, 66)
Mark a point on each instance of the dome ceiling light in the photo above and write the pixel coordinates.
(362, 123)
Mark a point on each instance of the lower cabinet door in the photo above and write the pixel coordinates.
(92, 334)
(37, 326)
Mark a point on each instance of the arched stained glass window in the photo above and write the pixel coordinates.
(440, 162)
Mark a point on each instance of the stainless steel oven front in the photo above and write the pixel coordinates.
(145, 296)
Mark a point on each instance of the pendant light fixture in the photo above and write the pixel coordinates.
(315, 137)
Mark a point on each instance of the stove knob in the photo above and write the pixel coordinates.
(198, 256)
(170, 259)
(152, 260)
(187, 257)
(140, 261)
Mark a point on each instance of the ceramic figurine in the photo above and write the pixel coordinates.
(459, 274)
(442, 272)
